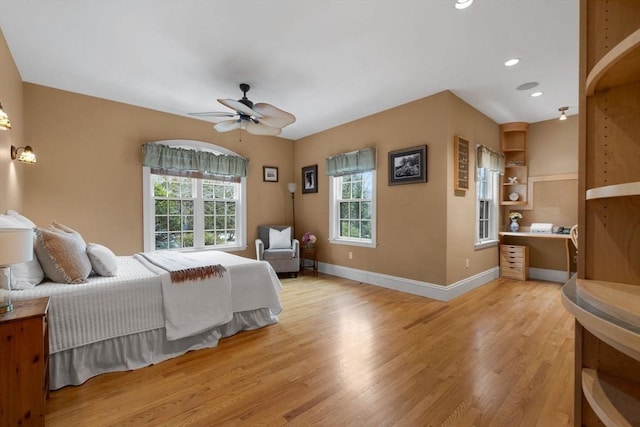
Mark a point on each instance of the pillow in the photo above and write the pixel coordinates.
(103, 260)
(24, 275)
(280, 239)
(63, 254)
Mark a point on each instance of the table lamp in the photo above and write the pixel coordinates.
(16, 246)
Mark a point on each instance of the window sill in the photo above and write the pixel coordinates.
(219, 249)
(486, 244)
(353, 243)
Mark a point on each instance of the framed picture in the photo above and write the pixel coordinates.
(270, 173)
(408, 166)
(461, 166)
(310, 179)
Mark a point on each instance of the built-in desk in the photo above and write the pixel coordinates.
(527, 235)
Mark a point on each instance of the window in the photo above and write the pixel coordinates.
(487, 207)
(193, 212)
(352, 209)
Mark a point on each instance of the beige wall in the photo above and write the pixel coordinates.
(11, 172)
(413, 233)
(478, 129)
(89, 173)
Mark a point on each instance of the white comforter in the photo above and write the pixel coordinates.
(108, 307)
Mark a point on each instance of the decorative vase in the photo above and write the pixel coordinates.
(514, 225)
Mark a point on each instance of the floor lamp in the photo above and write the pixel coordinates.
(292, 190)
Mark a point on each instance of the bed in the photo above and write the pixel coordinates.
(111, 324)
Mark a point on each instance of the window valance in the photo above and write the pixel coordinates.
(489, 159)
(353, 162)
(193, 163)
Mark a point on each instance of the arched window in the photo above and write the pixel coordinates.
(194, 196)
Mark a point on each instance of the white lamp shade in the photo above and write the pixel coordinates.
(292, 187)
(16, 246)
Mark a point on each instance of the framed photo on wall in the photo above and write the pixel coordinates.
(461, 159)
(408, 166)
(310, 179)
(270, 173)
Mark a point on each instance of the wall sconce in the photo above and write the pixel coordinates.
(27, 155)
(562, 110)
(292, 190)
(5, 124)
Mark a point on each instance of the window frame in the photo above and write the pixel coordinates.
(148, 206)
(334, 213)
(492, 183)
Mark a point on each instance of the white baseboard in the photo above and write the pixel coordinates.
(429, 290)
(559, 276)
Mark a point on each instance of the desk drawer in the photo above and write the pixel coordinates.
(514, 262)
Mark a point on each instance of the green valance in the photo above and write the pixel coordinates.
(489, 159)
(353, 162)
(194, 163)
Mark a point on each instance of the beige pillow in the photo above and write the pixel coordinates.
(62, 254)
(103, 260)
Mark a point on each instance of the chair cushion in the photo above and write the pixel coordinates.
(272, 254)
(280, 239)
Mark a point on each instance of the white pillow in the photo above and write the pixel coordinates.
(103, 260)
(25, 275)
(280, 239)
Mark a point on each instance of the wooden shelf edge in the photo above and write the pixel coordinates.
(627, 47)
(510, 203)
(620, 338)
(620, 300)
(619, 190)
(616, 401)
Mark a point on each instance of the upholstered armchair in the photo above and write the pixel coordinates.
(276, 246)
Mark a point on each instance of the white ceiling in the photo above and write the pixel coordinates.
(326, 61)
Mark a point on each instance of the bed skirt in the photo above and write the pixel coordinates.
(77, 365)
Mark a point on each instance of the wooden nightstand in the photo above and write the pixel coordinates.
(309, 254)
(24, 363)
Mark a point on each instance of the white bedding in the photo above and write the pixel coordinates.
(109, 307)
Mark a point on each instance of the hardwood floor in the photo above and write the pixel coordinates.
(346, 353)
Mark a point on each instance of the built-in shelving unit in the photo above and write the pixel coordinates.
(605, 295)
(620, 190)
(513, 144)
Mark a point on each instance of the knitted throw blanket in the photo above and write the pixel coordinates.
(182, 268)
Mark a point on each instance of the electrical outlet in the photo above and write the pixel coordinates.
(350, 255)
(466, 264)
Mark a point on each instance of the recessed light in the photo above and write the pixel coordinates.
(536, 94)
(511, 62)
(527, 86)
(463, 4)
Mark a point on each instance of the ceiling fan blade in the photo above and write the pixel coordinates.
(216, 117)
(239, 106)
(228, 125)
(273, 116)
(261, 129)
(213, 114)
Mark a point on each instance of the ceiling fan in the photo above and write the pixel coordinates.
(258, 119)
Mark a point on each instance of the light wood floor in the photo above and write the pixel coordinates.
(346, 353)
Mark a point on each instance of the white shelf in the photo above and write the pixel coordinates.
(616, 401)
(619, 190)
(618, 67)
